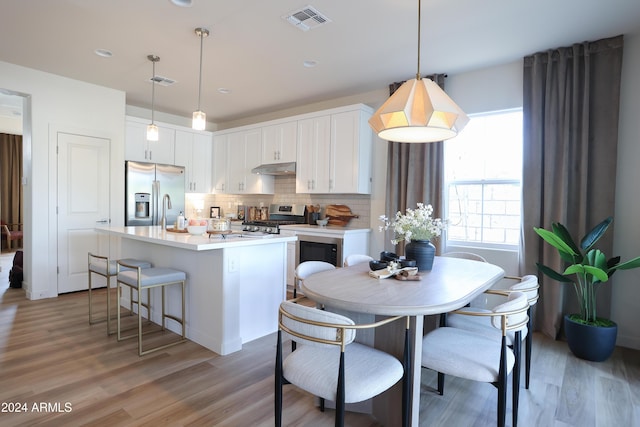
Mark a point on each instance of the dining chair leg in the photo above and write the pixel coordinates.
(528, 345)
(278, 382)
(340, 394)
(502, 384)
(517, 351)
(440, 383)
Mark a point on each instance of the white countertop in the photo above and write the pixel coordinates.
(309, 229)
(155, 234)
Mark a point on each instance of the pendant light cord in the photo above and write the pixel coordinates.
(419, 19)
(200, 76)
(153, 59)
(153, 89)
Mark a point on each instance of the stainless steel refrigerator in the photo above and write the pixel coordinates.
(145, 187)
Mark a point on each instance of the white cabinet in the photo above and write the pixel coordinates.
(291, 258)
(245, 153)
(193, 151)
(351, 146)
(334, 153)
(279, 142)
(137, 147)
(312, 166)
(219, 174)
(331, 148)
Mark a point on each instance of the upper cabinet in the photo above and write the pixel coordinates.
(331, 148)
(351, 158)
(279, 142)
(243, 153)
(219, 175)
(334, 153)
(137, 147)
(193, 150)
(314, 153)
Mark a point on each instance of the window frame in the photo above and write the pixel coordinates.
(448, 242)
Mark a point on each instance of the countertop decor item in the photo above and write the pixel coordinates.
(322, 222)
(416, 227)
(196, 230)
(588, 269)
(339, 215)
(415, 224)
(423, 252)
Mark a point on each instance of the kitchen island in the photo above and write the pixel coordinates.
(234, 285)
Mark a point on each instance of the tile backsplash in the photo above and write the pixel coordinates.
(285, 193)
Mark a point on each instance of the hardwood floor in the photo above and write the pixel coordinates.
(75, 375)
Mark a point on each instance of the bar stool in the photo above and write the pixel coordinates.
(101, 265)
(139, 279)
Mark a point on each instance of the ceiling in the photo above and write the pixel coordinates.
(259, 56)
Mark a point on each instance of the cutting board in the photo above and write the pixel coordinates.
(339, 215)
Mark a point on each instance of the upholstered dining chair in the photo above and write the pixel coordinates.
(306, 269)
(462, 255)
(328, 363)
(465, 255)
(527, 284)
(467, 354)
(354, 259)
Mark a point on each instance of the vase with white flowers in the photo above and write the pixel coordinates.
(417, 228)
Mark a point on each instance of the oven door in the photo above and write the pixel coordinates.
(319, 248)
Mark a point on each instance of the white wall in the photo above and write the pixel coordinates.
(59, 103)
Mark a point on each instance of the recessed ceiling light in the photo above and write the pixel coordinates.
(182, 3)
(224, 90)
(310, 63)
(105, 53)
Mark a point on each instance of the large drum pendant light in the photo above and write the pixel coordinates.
(199, 117)
(152, 129)
(419, 111)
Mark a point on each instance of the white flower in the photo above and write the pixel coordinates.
(415, 224)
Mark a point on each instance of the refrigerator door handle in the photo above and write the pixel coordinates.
(154, 201)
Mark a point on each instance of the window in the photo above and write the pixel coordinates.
(483, 173)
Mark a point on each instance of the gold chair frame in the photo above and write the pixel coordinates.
(180, 320)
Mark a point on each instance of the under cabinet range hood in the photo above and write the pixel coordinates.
(275, 169)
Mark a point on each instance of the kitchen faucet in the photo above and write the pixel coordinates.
(165, 206)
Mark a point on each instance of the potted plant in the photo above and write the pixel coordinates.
(589, 337)
(416, 227)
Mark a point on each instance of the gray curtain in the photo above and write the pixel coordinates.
(414, 174)
(570, 119)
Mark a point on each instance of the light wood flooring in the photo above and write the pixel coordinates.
(75, 375)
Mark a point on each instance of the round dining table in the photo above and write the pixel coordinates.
(450, 284)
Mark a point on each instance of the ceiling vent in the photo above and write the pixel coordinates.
(306, 18)
(162, 81)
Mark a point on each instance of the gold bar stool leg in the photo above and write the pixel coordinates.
(145, 279)
(101, 265)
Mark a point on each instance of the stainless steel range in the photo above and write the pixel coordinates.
(278, 215)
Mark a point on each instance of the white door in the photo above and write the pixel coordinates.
(83, 204)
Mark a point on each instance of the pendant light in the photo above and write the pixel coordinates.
(419, 111)
(152, 129)
(199, 117)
